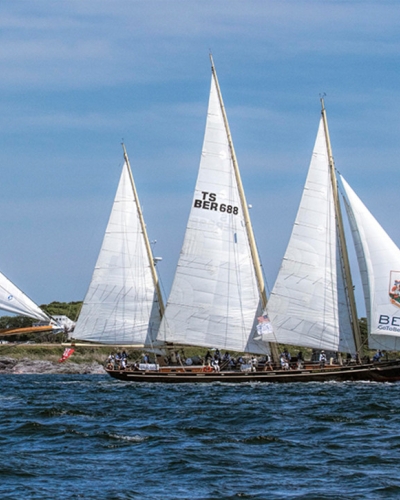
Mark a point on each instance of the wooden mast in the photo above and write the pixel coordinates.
(146, 239)
(342, 239)
(249, 229)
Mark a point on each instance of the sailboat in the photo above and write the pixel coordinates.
(123, 305)
(312, 303)
(15, 301)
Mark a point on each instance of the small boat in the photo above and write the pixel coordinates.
(218, 296)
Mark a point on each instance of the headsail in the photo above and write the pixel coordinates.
(309, 291)
(13, 300)
(215, 298)
(123, 304)
(379, 262)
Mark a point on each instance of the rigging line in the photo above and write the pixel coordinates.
(263, 272)
(245, 337)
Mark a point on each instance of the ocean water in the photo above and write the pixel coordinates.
(74, 436)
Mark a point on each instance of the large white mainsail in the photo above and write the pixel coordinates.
(215, 298)
(13, 300)
(379, 262)
(308, 296)
(123, 304)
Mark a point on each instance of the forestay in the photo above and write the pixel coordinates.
(379, 262)
(214, 300)
(309, 290)
(121, 305)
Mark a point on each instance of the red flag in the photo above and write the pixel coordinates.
(67, 353)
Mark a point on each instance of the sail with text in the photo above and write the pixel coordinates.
(215, 297)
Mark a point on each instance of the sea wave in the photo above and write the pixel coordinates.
(75, 436)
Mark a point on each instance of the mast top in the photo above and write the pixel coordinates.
(212, 62)
(321, 98)
(124, 150)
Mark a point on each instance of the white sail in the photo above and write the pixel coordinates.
(309, 290)
(379, 262)
(214, 300)
(13, 300)
(121, 305)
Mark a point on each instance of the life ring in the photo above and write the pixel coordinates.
(207, 369)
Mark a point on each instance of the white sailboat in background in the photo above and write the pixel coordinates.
(13, 300)
(218, 291)
(123, 305)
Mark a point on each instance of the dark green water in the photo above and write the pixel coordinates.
(65, 436)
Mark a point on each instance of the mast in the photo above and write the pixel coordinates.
(342, 239)
(249, 229)
(146, 239)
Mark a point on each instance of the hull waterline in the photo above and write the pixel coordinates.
(379, 372)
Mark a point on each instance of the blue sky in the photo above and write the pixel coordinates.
(78, 77)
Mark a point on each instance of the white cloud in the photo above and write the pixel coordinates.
(75, 44)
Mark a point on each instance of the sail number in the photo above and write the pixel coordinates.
(209, 202)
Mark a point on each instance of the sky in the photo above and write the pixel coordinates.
(77, 78)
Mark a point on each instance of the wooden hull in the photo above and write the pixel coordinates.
(378, 372)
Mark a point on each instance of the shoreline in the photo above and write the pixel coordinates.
(26, 366)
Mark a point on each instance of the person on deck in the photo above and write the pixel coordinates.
(215, 365)
(322, 359)
(300, 360)
(268, 363)
(284, 362)
(377, 356)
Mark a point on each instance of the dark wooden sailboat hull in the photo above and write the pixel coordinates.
(379, 372)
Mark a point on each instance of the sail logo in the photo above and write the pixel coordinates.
(264, 326)
(394, 288)
(389, 323)
(208, 201)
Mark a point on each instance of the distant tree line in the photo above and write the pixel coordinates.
(70, 309)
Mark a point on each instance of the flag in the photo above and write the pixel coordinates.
(264, 326)
(67, 353)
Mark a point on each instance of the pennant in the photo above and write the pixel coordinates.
(67, 353)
